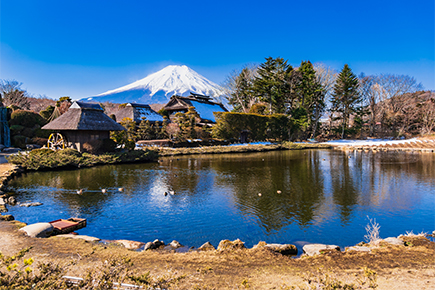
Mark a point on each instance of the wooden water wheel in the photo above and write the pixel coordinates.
(56, 141)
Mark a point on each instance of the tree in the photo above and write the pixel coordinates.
(271, 84)
(311, 95)
(239, 88)
(12, 95)
(144, 129)
(346, 98)
(326, 76)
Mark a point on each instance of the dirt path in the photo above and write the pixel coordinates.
(396, 267)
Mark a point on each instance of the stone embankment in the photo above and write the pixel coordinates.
(417, 145)
(7, 172)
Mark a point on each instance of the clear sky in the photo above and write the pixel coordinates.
(83, 48)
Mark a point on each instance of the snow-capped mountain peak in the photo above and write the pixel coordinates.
(160, 86)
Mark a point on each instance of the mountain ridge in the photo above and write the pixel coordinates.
(159, 87)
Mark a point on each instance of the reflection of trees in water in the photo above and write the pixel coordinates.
(345, 174)
(299, 178)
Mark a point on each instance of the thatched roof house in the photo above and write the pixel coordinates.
(202, 104)
(136, 112)
(83, 122)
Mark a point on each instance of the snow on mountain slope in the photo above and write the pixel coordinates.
(159, 87)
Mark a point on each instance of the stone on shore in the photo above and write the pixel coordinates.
(231, 245)
(206, 247)
(38, 230)
(3, 208)
(80, 237)
(391, 241)
(316, 249)
(174, 244)
(131, 245)
(7, 217)
(283, 249)
(153, 245)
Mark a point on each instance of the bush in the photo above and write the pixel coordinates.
(41, 152)
(26, 118)
(39, 141)
(19, 141)
(16, 129)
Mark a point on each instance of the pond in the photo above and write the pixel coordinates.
(298, 197)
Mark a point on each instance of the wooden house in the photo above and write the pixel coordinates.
(136, 112)
(203, 105)
(83, 122)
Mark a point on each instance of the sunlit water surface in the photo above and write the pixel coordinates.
(326, 197)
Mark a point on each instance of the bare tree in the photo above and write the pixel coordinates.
(12, 94)
(327, 77)
(238, 88)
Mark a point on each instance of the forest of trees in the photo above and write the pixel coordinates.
(348, 105)
(269, 101)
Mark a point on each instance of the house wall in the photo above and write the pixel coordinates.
(76, 139)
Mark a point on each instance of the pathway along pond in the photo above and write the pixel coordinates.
(326, 196)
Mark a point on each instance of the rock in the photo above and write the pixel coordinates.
(12, 200)
(80, 237)
(38, 230)
(11, 150)
(206, 247)
(131, 245)
(231, 245)
(149, 246)
(283, 249)
(7, 217)
(157, 243)
(316, 249)
(2, 201)
(27, 204)
(174, 244)
(391, 241)
(358, 249)
(32, 146)
(3, 208)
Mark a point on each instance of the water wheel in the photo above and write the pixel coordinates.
(56, 141)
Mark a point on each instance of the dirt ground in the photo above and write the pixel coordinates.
(396, 267)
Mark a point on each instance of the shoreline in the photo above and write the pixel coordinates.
(402, 266)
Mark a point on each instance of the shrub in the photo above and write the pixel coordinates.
(16, 129)
(19, 141)
(26, 118)
(41, 152)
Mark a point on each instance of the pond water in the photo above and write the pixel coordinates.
(326, 196)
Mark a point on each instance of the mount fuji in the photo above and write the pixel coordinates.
(159, 87)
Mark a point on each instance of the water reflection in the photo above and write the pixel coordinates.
(324, 194)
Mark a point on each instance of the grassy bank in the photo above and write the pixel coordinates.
(164, 151)
(46, 159)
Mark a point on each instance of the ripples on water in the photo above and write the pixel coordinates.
(325, 197)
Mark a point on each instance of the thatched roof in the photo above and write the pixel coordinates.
(136, 112)
(203, 106)
(84, 117)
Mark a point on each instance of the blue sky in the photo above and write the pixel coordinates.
(83, 48)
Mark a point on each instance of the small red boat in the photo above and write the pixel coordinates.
(67, 226)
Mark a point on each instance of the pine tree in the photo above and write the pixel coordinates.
(311, 95)
(346, 98)
(271, 83)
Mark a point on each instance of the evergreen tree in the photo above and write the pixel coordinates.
(311, 95)
(271, 84)
(346, 98)
(163, 131)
